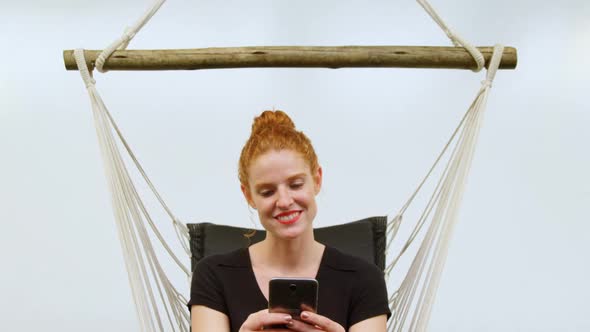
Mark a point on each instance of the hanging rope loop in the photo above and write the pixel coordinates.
(89, 81)
(455, 38)
(493, 67)
(495, 62)
(122, 42)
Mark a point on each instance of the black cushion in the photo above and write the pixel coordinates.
(364, 238)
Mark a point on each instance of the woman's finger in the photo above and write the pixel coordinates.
(298, 326)
(261, 319)
(321, 322)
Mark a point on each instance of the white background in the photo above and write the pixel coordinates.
(519, 257)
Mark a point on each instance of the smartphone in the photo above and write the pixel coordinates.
(292, 295)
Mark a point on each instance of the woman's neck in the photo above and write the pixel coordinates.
(289, 257)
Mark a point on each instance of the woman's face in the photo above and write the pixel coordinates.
(283, 189)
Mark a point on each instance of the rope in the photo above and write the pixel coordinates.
(180, 229)
(130, 211)
(122, 42)
(452, 183)
(480, 61)
(423, 276)
(454, 37)
(144, 269)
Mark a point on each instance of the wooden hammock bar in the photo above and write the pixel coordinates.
(294, 57)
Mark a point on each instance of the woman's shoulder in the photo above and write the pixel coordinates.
(234, 258)
(336, 259)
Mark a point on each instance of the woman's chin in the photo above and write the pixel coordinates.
(290, 235)
(292, 232)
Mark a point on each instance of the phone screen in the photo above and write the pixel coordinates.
(292, 295)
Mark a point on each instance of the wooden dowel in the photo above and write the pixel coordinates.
(294, 56)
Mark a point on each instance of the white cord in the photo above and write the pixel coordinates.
(425, 271)
(143, 267)
(454, 37)
(122, 42)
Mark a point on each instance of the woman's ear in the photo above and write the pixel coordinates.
(247, 196)
(318, 180)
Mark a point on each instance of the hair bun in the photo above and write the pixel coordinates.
(274, 131)
(272, 119)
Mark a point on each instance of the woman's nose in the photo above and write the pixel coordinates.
(284, 199)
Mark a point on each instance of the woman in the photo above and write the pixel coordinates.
(280, 177)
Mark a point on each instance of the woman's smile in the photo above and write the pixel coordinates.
(288, 217)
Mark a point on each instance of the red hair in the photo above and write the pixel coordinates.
(274, 130)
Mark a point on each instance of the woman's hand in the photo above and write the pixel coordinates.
(312, 322)
(263, 320)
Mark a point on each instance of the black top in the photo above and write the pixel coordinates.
(350, 289)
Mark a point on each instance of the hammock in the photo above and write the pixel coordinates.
(159, 304)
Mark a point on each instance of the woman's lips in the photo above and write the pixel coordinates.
(287, 218)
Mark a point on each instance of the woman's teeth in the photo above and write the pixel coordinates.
(288, 217)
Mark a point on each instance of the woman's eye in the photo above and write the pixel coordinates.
(297, 185)
(266, 193)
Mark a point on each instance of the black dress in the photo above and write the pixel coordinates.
(350, 289)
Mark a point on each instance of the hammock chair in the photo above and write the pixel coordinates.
(159, 304)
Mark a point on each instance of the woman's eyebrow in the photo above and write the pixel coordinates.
(298, 175)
